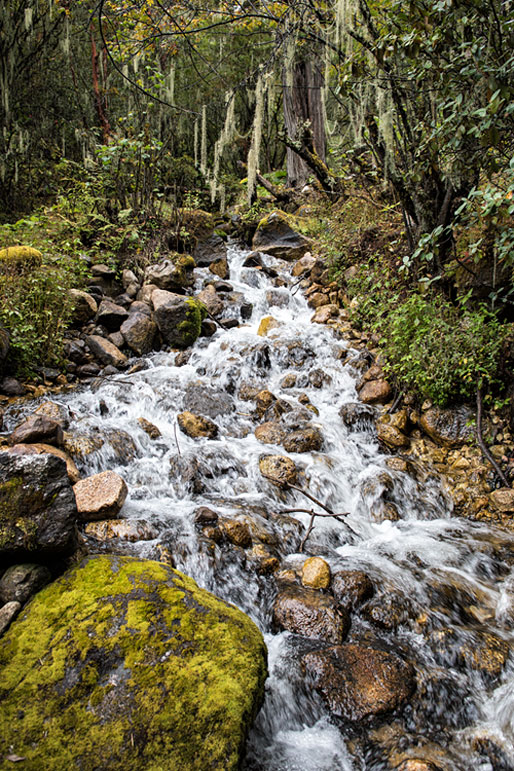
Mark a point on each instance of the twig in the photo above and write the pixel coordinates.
(176, 438)
(397, 400)
(483, 445)
(215, 320)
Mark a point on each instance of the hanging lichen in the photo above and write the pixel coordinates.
(258, 119)
(226, 136)
(203, 148)
(28, 19)
(195, 142)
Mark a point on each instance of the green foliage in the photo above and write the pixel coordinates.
(439, 350)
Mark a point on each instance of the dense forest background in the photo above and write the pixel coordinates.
(392, 120)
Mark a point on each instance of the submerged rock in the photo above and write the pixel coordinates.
(303, 440)
(359, 681)
(351, 588)
(196, 426)
(278, 468)
(207, 400)
(356, 415)
(151, 672)
(308, 613)
(132, 530)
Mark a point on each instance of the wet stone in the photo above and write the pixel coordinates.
(388, 611)
(197, 426)
(351, 588)
(206, 400)
(205, 516)
(132, 530)
(304, 440)
(100, 496)
(311, 614)
(270, 433)
(375, 392)
(316, 573)
(356, 415)
(236, 532)
(278, 468)
(149, 428)
(38, 428)
(19, 582)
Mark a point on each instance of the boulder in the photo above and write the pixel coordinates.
(12, 387)
(179, 318)
(220, 268)
(316, 573)
(207, 400)
(351, 588)
(391, 436)
(210, 250)
(304, 265)
(38, 428)
(100, 496)
(276, 235)
(7, 613)
(303, 440)
(105, 351)
(20, 259)
(375, 392)
(174, 274)
(19, 582)
(38, 513)
(356, 415)
(359, 681)
(270, 433)
(212, 301)
(110, 315)
(449, 428)
(85, 306)
(310, 614)
(503, 499)
(41, 448)
(236, 532)
(149, 670)
(197, 426)
(278, 468)
(139, 333)
(132, 530)
(149, 428)
(55, 411)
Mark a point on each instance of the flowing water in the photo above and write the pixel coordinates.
(444, 584)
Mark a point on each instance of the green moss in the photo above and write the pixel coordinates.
(127, 664)
(189, 328)
(19, 258)
(18, 502)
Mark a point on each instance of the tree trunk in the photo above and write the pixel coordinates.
(302, 103)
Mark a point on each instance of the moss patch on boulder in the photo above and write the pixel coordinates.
(18, 259)
(126, 664)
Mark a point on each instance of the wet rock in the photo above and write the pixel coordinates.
(263, 400)
(418, 764)
(182, 358)
(208, 328)
(503, 499)
(179, 318)
(310, 614)
(236, 532)
(276, 410)
(212, 301)
(246, 310)
(277, 297)
(266, 561)
(288, 381)
(105, 351)
(55, 411)
(122, 445)
(7, 614)
(205, 516)
(38, 428)
(220, 268)
(149, 428)
(229, 323)
(278, 468)
(173, 275)
(139, 639)
(303, 440)
(276, 235)
(388, 611)
(19, 582)
(41, 448)
(223, 286)
(100, 496)
(318, 378)
(316, 573)
(82, 445)
(189, 471)
(196, 426)
(111, 315)
(391, 436)
(38, 507)
(304, 265)
(270, 433)
(357, 415)
(12, 387)
(207, 400)
(448, 428)
(375, 392)
(132, 530)
(325, 313)
(351, 588)
(248, 392)
(267, 324)
(139, 333)
(359, 681)
(84, 306)
(209, 250)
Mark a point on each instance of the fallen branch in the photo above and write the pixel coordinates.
(483, 445)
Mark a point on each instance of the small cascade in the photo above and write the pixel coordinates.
(444, 586)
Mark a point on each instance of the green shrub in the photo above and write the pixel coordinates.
(440, 350)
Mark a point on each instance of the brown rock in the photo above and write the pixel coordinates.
(288, 381)
(212, 301)
(391, 436)
(196, 425)
(84, 306)
(100, 496)
(316, 573)
(351, 588)
(447, 427)
(503, 499)
(105, 351)
(54, 411)
(266, 325)
(303, 440)
(236, 532)
(40, 449)
(205, 516)
(139, 333)
(278, 468)
(82, 445)
(325, 313)
(318, 300)
(308, 613)
(270, 433)
(220, 268)
(149, 428)
(132, 530)
(304, 265)
(37, 428)
(110, 315)
(358, 681)
(263, 400)
(375, 392)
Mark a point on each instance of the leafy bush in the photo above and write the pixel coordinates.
(441, 350)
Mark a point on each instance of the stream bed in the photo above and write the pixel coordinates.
(444, 586)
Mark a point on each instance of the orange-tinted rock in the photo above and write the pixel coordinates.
(278, 468)
(375, 392)
(316, 573)
(197, 426)
(100, 496)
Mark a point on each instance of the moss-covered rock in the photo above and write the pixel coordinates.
(126, 664)
(173, 274)
(19, 259)
(179, 318)
(278, 234)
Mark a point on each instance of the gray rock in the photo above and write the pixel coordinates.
(12, 387)
(7, 614)
(37, 504)
(357, 416)
(111, 315)
(38, 428)
(105, 351)
(210, 250)
(19, 582)
(139, 333)
(311, 614)
(179, 318)
(207, 400)
(277, 237)
(84, 306)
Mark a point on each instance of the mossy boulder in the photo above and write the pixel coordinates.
(278, 234)
(178, 318)
(19, 259)
(173, 274)
(126, 664)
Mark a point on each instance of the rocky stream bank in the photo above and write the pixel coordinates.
(388, 623)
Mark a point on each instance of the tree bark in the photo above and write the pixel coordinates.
(302, 104)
